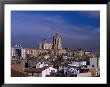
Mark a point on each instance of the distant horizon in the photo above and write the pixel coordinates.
(52, 43)
(79, 29)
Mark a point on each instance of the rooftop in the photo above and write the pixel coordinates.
(36, 70)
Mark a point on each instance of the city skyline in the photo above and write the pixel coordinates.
(79, 29)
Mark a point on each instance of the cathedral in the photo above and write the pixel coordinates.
(45, 45)
(43, 48)
(57, 44)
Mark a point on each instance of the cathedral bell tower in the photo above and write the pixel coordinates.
(57, 44)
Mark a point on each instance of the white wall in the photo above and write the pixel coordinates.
(83, 63)
(76, 63)
(23, 53)
(48, 71)
(13, 51)
(93, 61)
(39, 65)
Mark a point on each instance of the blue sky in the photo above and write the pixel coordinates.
(79, 29)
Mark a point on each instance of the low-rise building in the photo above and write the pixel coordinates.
(77, 63)
(41, 72)
(87, 74)
(78, 53)
(94, 62)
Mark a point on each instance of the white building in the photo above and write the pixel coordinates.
(42, 72)
(46, 57)
(18, 51)
(98, 62)
(77, 63)
(65, 57)
(94, 62)
(13, 50)
(48, 71)
(41, 64)
(23, 54)
(40, 46)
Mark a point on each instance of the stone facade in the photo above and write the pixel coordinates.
(57, 43)
(45, 45)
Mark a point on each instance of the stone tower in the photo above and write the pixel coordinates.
(57, 44)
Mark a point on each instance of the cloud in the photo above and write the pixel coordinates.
(29, 31)
(93, 14)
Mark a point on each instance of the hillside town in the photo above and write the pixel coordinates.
(53, 60)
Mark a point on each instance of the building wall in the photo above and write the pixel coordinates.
(88, 74)
(57, 44)
(87, 53)
(94, 61)
(13, 52)
(62, 51)
(47, 46)
(32, 52)
(17, 67)
(78, 63)
(48, 71)
(23, 54)
(40, 46)
(50, 46)
(78, 53)
(99, 62)
(36, 74)
(36, 52)
(39, 65)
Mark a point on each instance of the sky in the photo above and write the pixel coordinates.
(79, 29)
